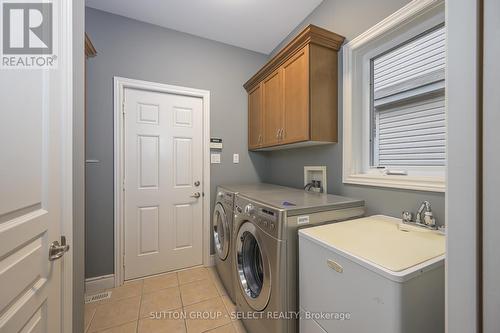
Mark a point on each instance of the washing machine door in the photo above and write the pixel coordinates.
(254, 271)
(221, 231)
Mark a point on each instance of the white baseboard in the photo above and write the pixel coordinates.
(99, 283)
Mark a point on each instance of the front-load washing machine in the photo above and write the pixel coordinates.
(265, 256)
(222, 227)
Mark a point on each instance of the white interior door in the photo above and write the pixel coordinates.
(35, 176)
(163, 182)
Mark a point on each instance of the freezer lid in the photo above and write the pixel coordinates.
(379, 240)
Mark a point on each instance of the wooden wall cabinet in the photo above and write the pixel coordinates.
(292, 100)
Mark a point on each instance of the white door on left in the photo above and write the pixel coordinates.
(32, 179)
(36, 107)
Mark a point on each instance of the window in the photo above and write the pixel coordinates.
(394, 101)
(408, 106)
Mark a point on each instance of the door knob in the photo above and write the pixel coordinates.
(196, 195)
(57, 250)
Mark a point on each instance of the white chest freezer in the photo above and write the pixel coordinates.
(371, 275)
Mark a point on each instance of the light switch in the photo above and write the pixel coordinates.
(215, 158)
(236, 158)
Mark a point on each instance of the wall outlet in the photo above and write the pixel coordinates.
(236, 158)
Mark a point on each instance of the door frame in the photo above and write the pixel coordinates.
(120, 84)
(68, 98)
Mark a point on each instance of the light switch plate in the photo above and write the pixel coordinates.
(236, 158)
(215, 158)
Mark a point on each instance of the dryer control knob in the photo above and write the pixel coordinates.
(249, 209)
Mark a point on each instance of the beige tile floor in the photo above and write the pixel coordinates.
(191, 292)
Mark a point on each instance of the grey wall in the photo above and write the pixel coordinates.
(347, 18)
(78, 241)
(137, 50)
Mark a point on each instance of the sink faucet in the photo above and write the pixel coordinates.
(423, 218)
(427, 206)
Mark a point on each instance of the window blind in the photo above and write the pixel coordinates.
(409, 116)
(413, 134)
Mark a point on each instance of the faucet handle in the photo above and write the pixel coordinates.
(406, 217)
(429, 219)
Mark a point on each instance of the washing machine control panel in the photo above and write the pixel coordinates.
(265, 217)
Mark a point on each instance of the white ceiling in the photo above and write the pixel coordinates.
(257, 25)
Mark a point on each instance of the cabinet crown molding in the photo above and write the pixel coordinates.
(90, 50)
(310, 35)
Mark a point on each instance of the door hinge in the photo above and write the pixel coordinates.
(123, 185)
(123, 106)
(123, 260)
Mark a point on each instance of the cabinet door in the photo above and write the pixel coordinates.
(255, 117)
(272, 94)
(296, 98)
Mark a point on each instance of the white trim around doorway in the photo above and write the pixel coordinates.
(120, 84)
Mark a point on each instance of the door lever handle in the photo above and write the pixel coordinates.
(196, 195)
(57, 250)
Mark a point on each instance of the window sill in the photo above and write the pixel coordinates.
(431, 184)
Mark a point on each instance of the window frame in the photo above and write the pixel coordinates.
(407, 23)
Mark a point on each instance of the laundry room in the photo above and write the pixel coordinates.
(272, 129)
(276, 144)
(280, 166)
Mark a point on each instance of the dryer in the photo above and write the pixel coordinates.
(265, 259)
(222, 229)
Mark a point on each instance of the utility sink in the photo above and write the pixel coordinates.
(383, 240)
